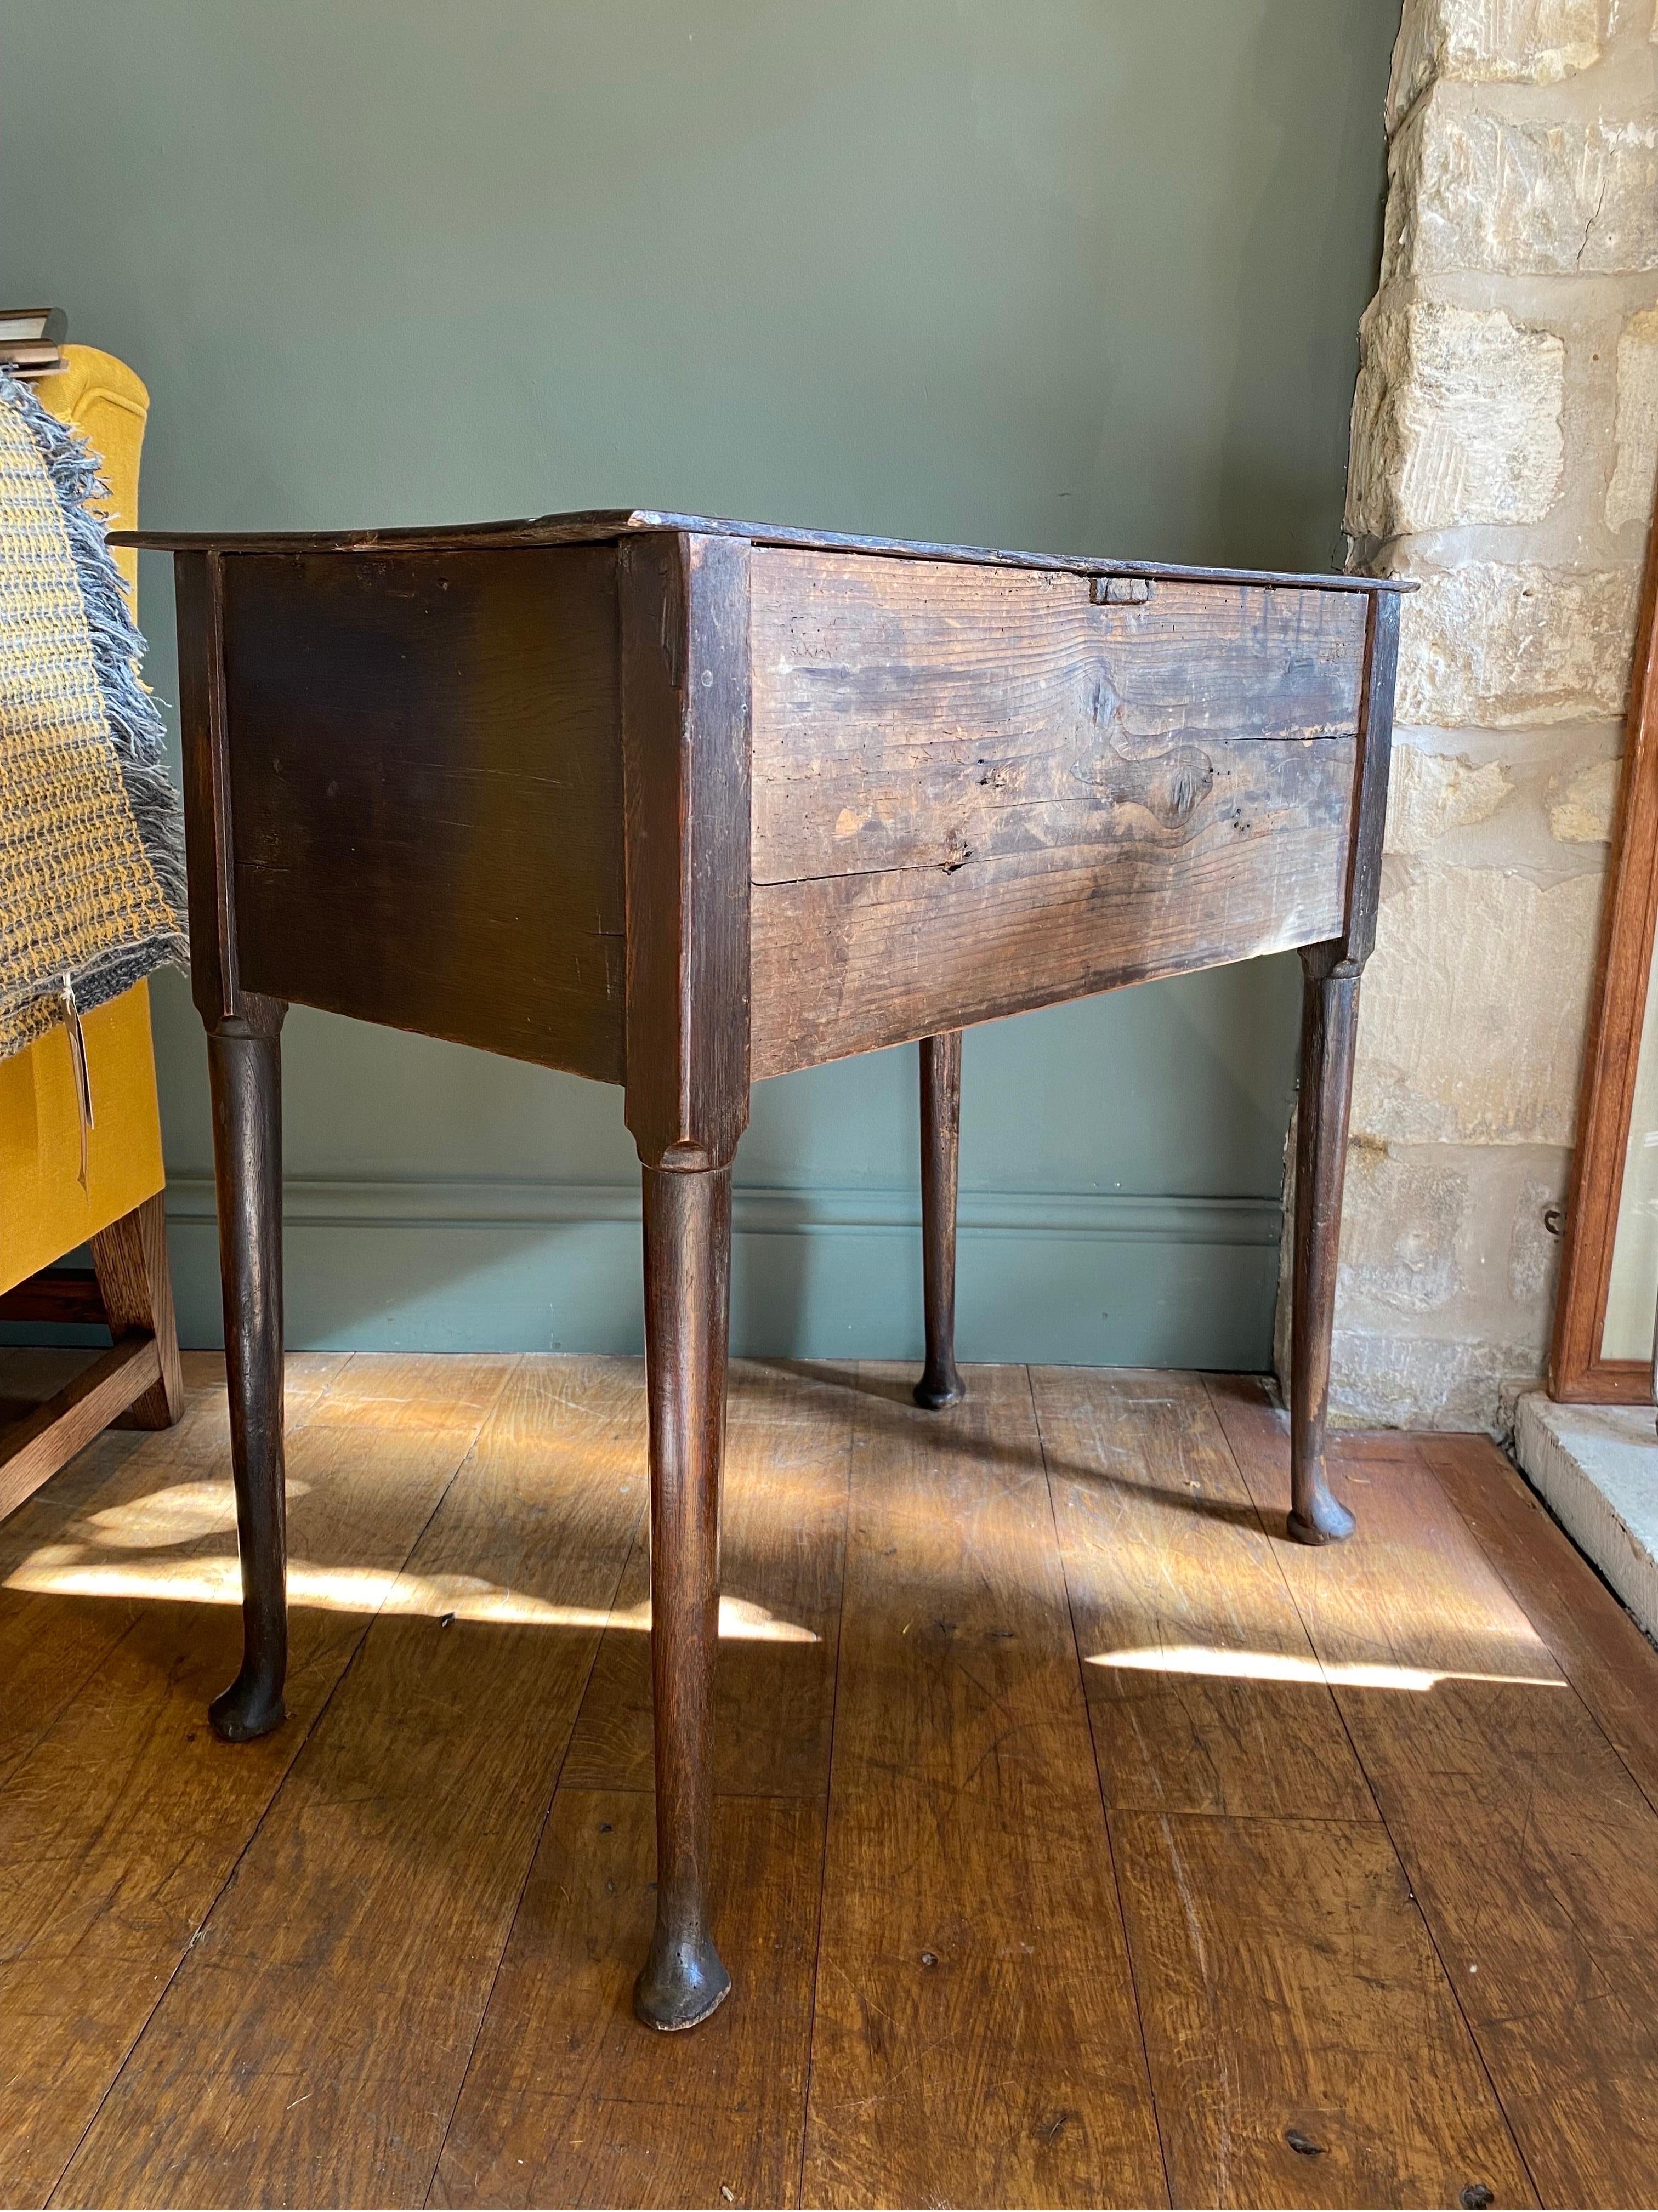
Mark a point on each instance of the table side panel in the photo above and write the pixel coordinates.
(907, 714)
(975, 790)
(426, 793)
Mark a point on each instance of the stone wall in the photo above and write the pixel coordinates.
(1504, 441)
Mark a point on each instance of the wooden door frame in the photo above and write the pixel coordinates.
(1577, 1371)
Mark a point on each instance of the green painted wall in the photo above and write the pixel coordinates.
(1077, 275)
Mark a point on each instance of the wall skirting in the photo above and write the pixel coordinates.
(461, 1201)
(460, 1264)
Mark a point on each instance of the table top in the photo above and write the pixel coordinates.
(600, 524)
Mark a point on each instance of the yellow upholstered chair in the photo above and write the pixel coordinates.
(46, 1209)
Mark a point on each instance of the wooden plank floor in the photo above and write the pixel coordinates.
(1080, 1840)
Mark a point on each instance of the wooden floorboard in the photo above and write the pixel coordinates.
(567, 2101)
(1534, 1856)
(1338, 1884)
(975, 2038)
(117, 1821)
(121, 1828)
(1306, 2047)
(1593, 1641)
(387, 1872)
(1222, 1708)
(570, 2101)
(51, 1641)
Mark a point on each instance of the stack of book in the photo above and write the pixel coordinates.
(31, 340)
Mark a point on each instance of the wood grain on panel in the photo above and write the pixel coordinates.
(68, 1295)
(975, 791)
(849, 963)
(910, 716)
(426, 791)
(1375, 746)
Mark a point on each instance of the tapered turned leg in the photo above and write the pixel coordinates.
(1329, 1009)
(244, 1064)
(688, 1227)
(941, 1144)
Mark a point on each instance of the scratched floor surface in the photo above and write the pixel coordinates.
(1080, 1840)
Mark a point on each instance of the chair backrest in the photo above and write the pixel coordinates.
(44, 1210)
(107, 402)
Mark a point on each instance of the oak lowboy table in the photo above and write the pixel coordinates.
(676, 804)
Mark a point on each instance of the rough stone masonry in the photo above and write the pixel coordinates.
(1504, 446)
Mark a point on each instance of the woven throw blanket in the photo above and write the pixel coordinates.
(92, 879)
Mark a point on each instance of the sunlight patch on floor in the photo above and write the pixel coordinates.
(178, 1514)
(184, 1512)
(1290, 1667)
(67, 1570)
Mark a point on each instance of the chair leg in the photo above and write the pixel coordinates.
(688, 1216)
(244, 1065)
(131, 1260)
(941, 1143)
(1329, 1012)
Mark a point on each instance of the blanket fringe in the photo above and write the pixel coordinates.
(136, 728)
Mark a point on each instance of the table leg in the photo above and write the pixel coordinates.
(1329, 1010)
(244, 1066)
(941, 1139)
(688, 1223)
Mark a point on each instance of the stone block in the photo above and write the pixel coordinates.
(1473, 798)
(1382, 1380)
(1535, 1246)
(1430, 793)
(1456, 419)
(1629, 496)
(1402, 1221)
(1518, 41)
(1472, 1009)
(1490, 644)
(1474, 189)
(1458, 1236)
(1580, 813)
